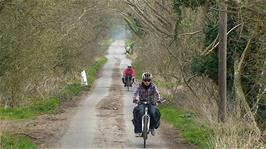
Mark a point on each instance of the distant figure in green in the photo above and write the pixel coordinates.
(129, 48)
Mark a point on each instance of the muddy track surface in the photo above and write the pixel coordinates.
(101, 119)
(110, 131)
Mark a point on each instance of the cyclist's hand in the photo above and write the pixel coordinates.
(158, 102)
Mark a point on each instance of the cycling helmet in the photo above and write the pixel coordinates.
(129, 66)
(146, 76)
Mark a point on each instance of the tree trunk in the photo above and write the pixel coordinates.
(222, 62)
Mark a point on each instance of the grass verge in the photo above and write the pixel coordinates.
(45, 106)
(189, 129)
(92, 70)
(16, 142)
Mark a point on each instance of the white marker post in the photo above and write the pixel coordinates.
(84, 81)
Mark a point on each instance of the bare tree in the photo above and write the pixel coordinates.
(45, 44)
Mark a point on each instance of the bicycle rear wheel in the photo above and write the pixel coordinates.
(128, 83)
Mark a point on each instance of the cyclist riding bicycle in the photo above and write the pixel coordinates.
(128, 72)
(146, 91)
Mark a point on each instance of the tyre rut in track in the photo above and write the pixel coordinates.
(111, 132)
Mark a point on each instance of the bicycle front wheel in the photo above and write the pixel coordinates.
(145, 131)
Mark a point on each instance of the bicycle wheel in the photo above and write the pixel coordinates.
(144, 145)
(145, 131)
(128, 83)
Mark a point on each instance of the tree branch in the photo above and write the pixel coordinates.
(160, 17)
(207, 51)
(143, 17)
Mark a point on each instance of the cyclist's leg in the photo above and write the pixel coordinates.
(158, 117)
(123, 80)
(141, 111)
(154, 118)
(135, 119)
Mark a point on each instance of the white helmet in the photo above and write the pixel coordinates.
(146, 76)
(129, 66)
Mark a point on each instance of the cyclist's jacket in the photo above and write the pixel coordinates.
(129, 72)
(147, 93)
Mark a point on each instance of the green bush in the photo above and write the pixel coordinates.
(206, 66)
(187, 3)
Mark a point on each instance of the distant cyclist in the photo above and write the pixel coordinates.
(146, 91)
(130, 73)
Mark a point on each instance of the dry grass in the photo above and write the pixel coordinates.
(237, 133)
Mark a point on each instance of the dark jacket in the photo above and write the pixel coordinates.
(149, 93)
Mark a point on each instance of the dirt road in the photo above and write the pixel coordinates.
(104, 118)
